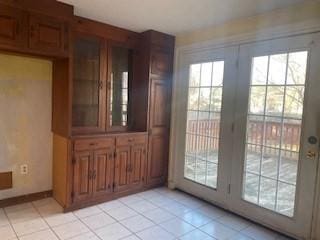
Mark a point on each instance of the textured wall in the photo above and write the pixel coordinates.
(25, 123)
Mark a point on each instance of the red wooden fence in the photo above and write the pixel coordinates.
(203, 135)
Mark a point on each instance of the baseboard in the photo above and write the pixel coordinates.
(25, 198)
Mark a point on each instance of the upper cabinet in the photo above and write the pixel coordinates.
(89, 74)
(29, 32)
(12, 30)
(48, 34)
(102, 76)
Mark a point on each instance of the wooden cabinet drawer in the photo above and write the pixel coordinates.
(130, 140)
(87, 144)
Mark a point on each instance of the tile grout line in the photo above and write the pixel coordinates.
(10, 222)
(45, 221)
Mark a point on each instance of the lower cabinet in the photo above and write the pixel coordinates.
(82, 172)
(103, 165)
(92, 173)
(157, 159)
(107, 166)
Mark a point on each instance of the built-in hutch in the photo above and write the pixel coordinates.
(111, 99)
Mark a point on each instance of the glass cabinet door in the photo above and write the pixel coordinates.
(87, 84)
(120, 65)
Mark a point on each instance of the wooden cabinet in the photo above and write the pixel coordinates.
(160, 84)
(122, 168)
(158, 132)
(101, 85)
(48, 34)
(12, 27)
(130, 162)
(103, 170)
(161, 63)
(93, 167)
(101, 167)
(138, 165)
(88, 102)
(82, 170)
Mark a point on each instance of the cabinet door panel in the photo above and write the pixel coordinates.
(122, 165)
(103, 171)
(12, 28)
(161, 63)
(89, 90)
(137, 165)
(82, 187)
(48, 34)
(159, 112)
(157, 159)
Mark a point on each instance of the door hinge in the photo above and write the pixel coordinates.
(229, 188)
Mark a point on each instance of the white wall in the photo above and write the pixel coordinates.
(25, 123)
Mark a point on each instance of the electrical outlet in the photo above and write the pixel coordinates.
(24, 169)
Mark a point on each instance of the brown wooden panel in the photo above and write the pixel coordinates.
(82, 176)
(162, 40)
(106, 31)
(94, 143)
(48, 7)
(48, 34)
(24, 198)
(138, 164)
(130, 140)
(5, 180)
(161, 63)
(103, 171)
(60, 169)
(12, 27)
(157, 159)
(61, 99)
(122, 164)
(160, 105)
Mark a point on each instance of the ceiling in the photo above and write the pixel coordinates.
(172, 16)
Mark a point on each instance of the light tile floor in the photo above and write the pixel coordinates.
(159, 214)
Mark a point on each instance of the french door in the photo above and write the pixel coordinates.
(250, 138)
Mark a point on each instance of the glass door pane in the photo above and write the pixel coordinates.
(86, 83)
(274, 129)
(203, 122)
(121, 70)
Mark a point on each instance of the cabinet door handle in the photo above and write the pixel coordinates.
(94, 174)
(100, 84)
